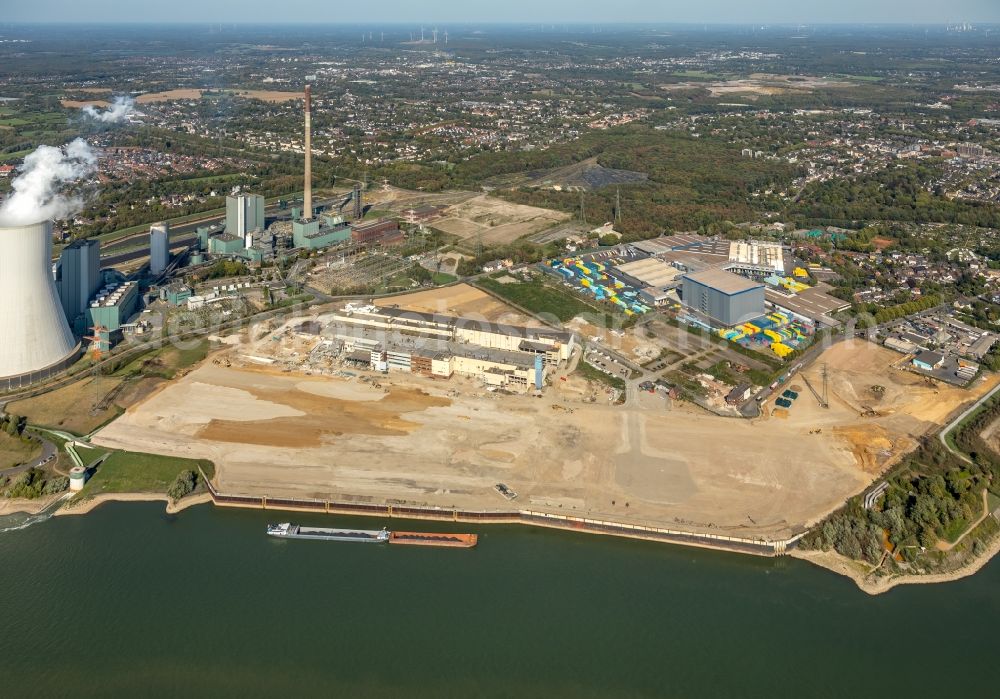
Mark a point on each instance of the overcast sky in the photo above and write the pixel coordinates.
(528, 11)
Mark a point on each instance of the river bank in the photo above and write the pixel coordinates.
(83, 507)
(21, 506)
(860, 573)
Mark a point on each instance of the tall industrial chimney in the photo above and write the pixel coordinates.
(307, 197)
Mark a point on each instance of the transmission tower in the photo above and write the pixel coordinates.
(97, 342)
(618, 205)
(826, 387)
(583, 207)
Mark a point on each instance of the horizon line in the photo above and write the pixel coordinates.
(505, 23)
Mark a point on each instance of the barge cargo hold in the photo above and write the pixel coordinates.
(287, 530)
(433, 539)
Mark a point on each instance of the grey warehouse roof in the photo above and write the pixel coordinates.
(725, 282)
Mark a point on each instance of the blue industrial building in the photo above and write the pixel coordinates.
(726, 299)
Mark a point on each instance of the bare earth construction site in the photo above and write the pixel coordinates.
(400, 438)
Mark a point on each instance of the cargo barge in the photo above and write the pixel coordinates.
(433, 539)
(287, 530)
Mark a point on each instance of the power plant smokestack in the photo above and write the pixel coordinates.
(307, 196)
(37, 341)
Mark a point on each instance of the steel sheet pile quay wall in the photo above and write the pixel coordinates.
(759, 547)
(35, 335)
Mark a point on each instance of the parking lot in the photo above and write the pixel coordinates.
(608, 364)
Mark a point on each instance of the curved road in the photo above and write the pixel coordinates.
(954, 423)
(49, 453)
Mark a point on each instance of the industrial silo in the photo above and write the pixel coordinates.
(159, 247)
(77, 478)
(36, 339)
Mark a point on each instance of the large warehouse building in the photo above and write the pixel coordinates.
(502, 356)
(724, 298)
(554, 346)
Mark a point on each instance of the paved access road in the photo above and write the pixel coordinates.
(954, 423)
(49, 453)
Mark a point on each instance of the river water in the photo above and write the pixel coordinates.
(128, 601)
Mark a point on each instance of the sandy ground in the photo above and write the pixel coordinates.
(889, 423)
(21, 505)
(496, 221)
(419, 444)
(447, 443)
(460, 300)
(762, 84)
(991, 435)
(400, 201)
(273, 96)
(632, 343)
(80, 104)
(90, 504)
(168, 95)
(859, 572)
(469, 215)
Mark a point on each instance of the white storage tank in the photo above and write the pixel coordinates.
(77, 478)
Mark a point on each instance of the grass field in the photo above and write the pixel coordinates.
(4, 157)
(696, 74)
(15, 451)
(69, 408)
(442, 278)
(955, 530)
(89, 455)
(539, 297)
(134, 472)
(169, 360)
(994, 501)
(30, 128)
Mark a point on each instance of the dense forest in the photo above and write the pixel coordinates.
(889, 195)
(693, 182)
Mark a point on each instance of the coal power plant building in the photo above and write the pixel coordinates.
(37, 341)
(244, 214)
(78, 276)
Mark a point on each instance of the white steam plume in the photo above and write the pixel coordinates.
(121, 107)
(37, 190)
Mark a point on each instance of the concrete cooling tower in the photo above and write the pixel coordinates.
(35, 339)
